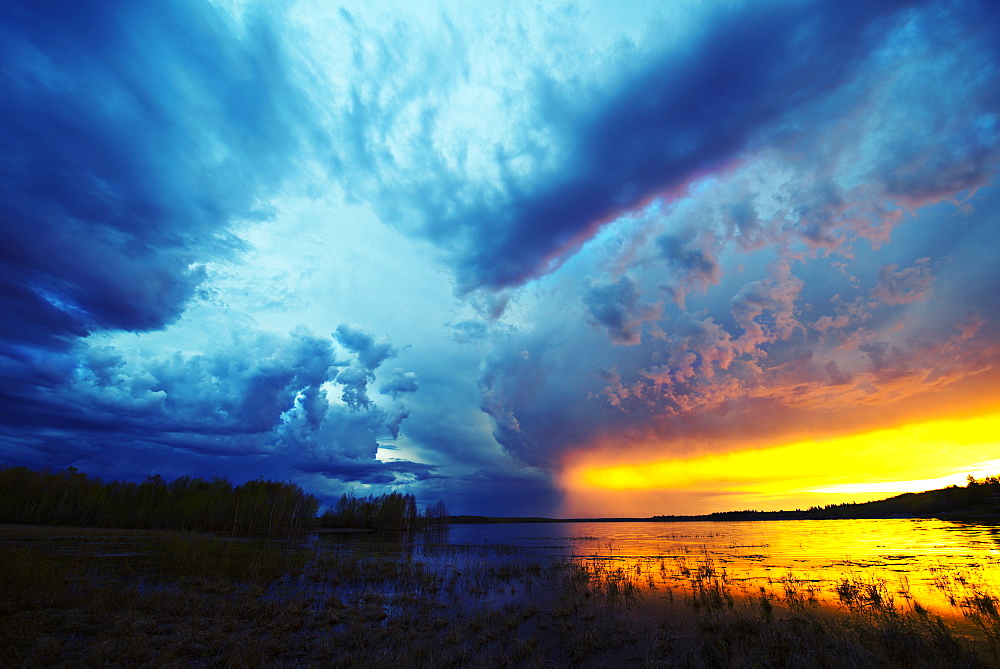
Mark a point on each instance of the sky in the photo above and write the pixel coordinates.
(588, 259)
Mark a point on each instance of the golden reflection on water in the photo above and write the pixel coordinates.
(933, 564)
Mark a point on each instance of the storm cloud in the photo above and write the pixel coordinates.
(451, 250)
(132, 137)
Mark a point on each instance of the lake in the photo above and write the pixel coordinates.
(771, 593)
(929, 563)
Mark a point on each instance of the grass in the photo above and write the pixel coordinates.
(70, 598)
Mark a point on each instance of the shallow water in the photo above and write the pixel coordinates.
(593, 594)
(939, 565)
(935, 564)
(923, 560)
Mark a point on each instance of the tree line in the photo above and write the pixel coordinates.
(186, 503)
(393, 511)
(977, 497)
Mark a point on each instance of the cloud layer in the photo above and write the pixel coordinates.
(453, 249)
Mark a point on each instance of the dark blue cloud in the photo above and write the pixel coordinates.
(617, 308)
(688, 257)
(371, 352)
(676, 116)
(685, 114)
(355, 381)
(199, 402)
(372, 472)
(131, 136)
(260, 399)
(781, 356)
(882, 161)
(492, 492)
(400, 383)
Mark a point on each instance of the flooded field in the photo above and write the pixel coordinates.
(932, 564)
(786, 593)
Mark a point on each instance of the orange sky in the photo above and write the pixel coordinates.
(872, 464)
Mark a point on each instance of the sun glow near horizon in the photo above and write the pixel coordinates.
(860, 467)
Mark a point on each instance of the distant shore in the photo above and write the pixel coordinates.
(490, 520)
(979, 501)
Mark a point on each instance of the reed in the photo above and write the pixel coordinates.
(174, 598)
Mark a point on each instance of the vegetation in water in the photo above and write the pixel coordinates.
(123, 598)
(73, 597)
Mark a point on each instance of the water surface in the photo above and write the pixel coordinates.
(932, 564)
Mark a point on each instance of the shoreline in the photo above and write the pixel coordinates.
(501, 520)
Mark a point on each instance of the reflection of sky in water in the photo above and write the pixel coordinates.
(930, 557)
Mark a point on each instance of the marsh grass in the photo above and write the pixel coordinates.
(78, 598)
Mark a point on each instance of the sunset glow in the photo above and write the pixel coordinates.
(908, 458)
